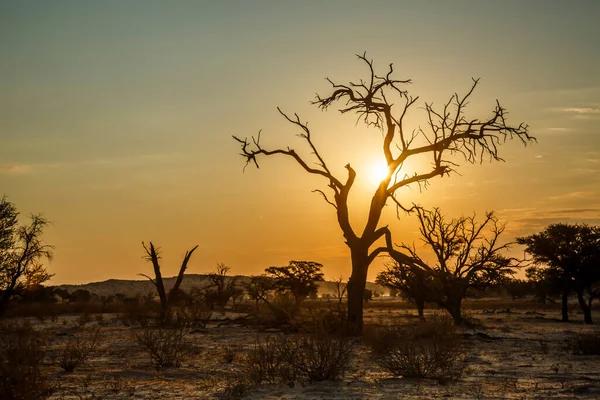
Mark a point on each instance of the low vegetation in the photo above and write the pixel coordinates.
(22, 351)
(315, 357)
(426, 350)
(78, 348)
(585, 343)
(166, 345)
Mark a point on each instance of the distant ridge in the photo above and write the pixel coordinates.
(132, 288)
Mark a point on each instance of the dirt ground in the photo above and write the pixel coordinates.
(512, 355)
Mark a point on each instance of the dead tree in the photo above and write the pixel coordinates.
(467, 256)
(383, 102)
(153, 255)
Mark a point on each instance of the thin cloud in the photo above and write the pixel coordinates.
(574, 195)
(574, 211)
(15, 169)
(531, 222)
(121, 161)
(559, 129)
(582, 110)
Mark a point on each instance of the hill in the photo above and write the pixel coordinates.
(132, 288)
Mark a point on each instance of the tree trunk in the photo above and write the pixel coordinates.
(3, 302)
(454, 308)
(6, 294)
(565, 305)
(587, 312)
(420, 308)
(356, 289)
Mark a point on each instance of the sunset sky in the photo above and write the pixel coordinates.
(116, 120)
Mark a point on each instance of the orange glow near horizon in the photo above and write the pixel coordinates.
(116, 121)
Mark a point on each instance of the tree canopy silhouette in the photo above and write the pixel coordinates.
(299, 278)
(22, 253)
(569, 256)
(467, 255)
(413, 282)
(381, 101)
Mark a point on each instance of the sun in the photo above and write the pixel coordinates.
(378, 171)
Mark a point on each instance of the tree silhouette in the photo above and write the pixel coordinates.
(258, 288)
(153, 255)
(568, 255)
(413, 282)
(221, 287)
(467, 256)
(382, 102)
(298, 278)
(22, 253)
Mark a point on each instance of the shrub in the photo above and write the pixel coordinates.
(166, 345)
(318, 356)
(77, 350)
(330, 320)
(197, 315)
(21, 353)
(280, 312)
(234, 390)
(427, 350)
(265, 362)
(315, 356)
(585, 343)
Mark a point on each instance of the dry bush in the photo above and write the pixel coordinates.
(325, 319)
(265, 362)
(281, 312)
(584, 343)
(196, 315)
(138, 314)
(78, 348)
(84, 319)
(166, 345)
(21, 353)
(316, 356)
(427, 350)
(237, 389)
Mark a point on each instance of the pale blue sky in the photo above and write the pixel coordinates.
(116, 116)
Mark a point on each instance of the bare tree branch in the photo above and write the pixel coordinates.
(381, 101)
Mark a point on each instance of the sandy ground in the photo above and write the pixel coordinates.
(521, 356)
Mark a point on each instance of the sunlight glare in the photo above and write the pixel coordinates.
(378, 172)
